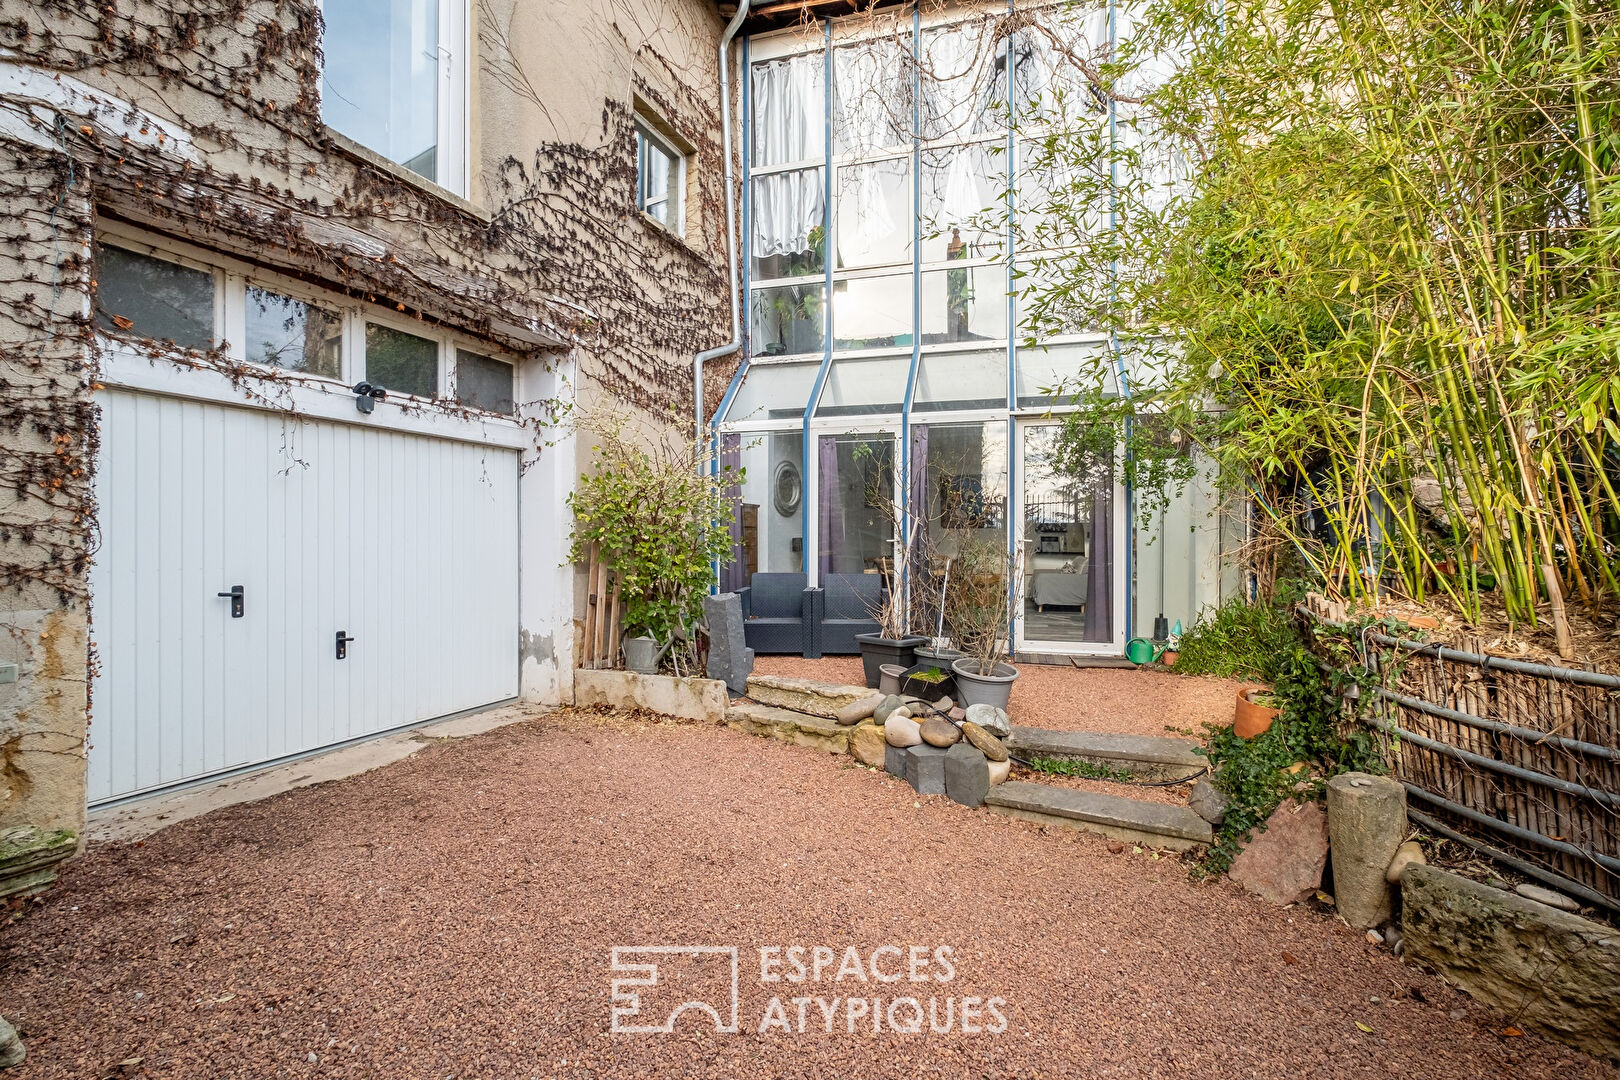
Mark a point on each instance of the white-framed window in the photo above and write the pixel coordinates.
(158, 290)
(660, 177)
(394, 79)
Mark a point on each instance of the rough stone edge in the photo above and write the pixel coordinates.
(1147, 756)
(1593, 1027)
(805, 695)
(687, 697)
(1130, 836)
(795, 729)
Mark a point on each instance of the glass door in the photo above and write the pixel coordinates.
(856, 491)
(1070, 525)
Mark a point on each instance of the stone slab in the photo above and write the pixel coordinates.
(29, 856)
(925, 769)
(1555, 973)
(1156, 824)
(785, 725)
(687, 697)
(1283, 863)
(804, 695)
(730, 659)
(1147, 756)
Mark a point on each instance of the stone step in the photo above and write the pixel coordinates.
(804, 695)
(786, 725)
(1152, 824)
(1149, 757)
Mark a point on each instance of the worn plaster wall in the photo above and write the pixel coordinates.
(200, 119)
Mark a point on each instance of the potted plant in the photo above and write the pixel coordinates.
(979, 607)
(928, 681)
(891, 643)
(1257, 707)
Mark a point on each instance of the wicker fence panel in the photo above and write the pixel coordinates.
(1522, 764)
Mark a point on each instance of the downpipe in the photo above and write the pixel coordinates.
(731, 224)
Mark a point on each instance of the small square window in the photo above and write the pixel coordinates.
(163, 301)
(483, 382)
(287, 333)
(660, 177)
(401, 363)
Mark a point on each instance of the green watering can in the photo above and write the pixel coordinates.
(1139, 650)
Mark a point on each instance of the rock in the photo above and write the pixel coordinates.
(885, 707)
(958, 714)
(1116, 847)
(1374, 938)
(1407, 854)
(867, 743)
(940, 732)
(925, 769)
(11, 1045)
(1547, 896)
(992, 719)
(987, 744)
(967, 774)
(906, 710)
(1208, 801)
(945, 704)
(1555, 973)
(1284, 863)
(902, 731)
(856, 711)
(730, 659)
(1366, 824)
(999, 771)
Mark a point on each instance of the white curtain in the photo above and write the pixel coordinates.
(789, 110)
(787, 208)
(871, 96)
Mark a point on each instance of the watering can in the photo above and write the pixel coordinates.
(642, 654)
(1139, 650)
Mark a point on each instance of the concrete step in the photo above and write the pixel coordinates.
(786, 725)
(1152, 824)
(1146, 756)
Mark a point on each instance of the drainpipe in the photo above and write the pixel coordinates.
(731, 218)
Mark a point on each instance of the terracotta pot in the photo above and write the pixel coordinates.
(1251, 719)
(1168, 657)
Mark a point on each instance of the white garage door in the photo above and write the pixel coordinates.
(407, 544)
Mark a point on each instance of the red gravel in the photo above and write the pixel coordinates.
(1132, 701)
(451, 915)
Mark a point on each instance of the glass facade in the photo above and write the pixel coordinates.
(899, 195)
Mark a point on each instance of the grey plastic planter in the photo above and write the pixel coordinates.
(889, 678)
(877, 650)
(975, 689)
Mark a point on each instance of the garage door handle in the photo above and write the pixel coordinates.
(236, 600)
(343, 640)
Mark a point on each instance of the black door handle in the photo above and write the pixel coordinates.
(236, 600)
(343, 640)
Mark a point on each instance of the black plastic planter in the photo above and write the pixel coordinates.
(877, 650)
(926, 689)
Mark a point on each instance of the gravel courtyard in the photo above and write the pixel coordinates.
(452, 915)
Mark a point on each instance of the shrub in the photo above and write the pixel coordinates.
(1240, 640)
(660, 524)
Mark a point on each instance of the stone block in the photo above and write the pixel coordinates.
(29, 857)
(687, 697)
(804, 695)
(730, 659)
(867, 744)
(894, 760)
(925, 769)
(1555, 973)
(787, 726)
(967, 775)
(1366, 824)
(1284, 863)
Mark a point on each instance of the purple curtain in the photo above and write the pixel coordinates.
(832, 506)
(1100, 563)
(734, 575)
(917, 517)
